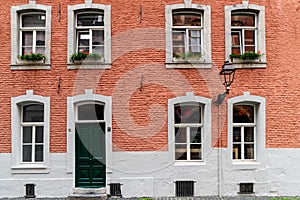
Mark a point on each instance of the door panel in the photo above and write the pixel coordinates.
(90, 155)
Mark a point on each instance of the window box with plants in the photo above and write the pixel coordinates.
(248, 57)
(187, 57)
(32, 58)
(86, 57)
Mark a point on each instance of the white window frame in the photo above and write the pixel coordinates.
(205, 11)
(33, 143)
(16, 12)
(260, 128)
(245, 7)
(206, 126)
(188, 127)
(72, 34)
(16, 122)
(242, 143)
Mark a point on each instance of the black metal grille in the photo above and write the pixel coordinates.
(184, 188)
(29, 189)
(115, 189)
(246, 188)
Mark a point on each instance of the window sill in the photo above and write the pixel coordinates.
(89, 65)
(245, 165)
(189, 65)
(190, 163)
(30, 169)
(249, 65)
(30, 66)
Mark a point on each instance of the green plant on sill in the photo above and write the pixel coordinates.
(246, 56)
(82, 55)
(188, 56)
(32, 57)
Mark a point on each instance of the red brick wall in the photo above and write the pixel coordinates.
(278, 83)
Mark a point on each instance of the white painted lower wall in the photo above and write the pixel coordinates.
(152, 174)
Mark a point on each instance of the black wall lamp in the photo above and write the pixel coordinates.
(227, 74)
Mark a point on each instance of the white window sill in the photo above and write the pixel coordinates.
(30, 66)
(249, 65)
(189, 65)
(240, 165)
(190, 163)
(89, 65)
(30, 169)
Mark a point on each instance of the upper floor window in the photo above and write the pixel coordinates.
(188, 36)
(89, 36)
(30, 36)
(244, 129)
(90, 33)
(32, 30)
(245, 38)
(243, 33)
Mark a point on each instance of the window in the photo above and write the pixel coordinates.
(246, 188)
(30, 34)
(188, 36)
(32, 133)
(188, 131)
(247, 130)
(189, 119)
(244, 129)
(89, 32)
(184, 188)
(32, 30)
(245, 32)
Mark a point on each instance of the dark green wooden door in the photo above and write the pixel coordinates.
(90, 155)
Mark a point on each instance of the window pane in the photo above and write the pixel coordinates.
(180, 135)
(39, 138)
(243, 20)
(249, 48)
(27, 152)
(40, 50)
(27, 38)
(185, 113)
(186, 19)
(178, 41)
(237, 134)
(98, 37)
(27, 134)
(236, 151)
(249, 151)
(40, 38)
(195, 152)
(26, 50)
(39, 153)
(236, 42)
(195, 41)
(180, 152)
(83, 39)
(243, 114)
(90, 19)
(195, 134)
(91, 112)
(33, 20)
(249, 134)
(33, 113)
(249, 37)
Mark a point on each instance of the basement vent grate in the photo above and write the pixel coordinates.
(115, 189)
(184, 188)
(246, 188)
(29, 190)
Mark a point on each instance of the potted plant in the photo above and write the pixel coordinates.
(32, 57)
(189, 56)
(247, 57)
(83, 55)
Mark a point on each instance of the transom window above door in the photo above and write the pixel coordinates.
(91, 111)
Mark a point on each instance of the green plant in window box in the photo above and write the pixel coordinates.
(83, 55)
(247, 56)
(187, 56)
(32, 57)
